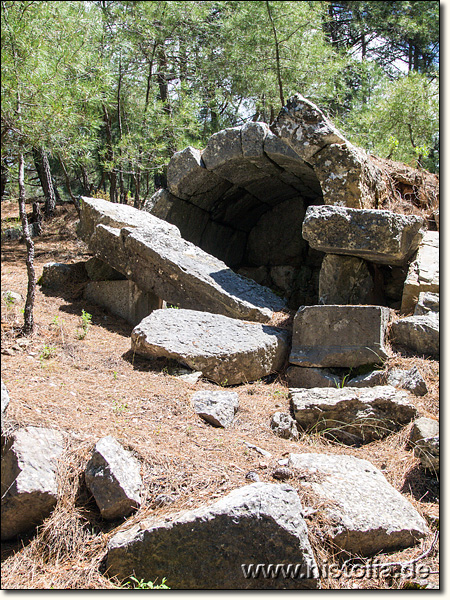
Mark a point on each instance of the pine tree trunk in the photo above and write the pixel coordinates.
(28, 325)
(45, 177)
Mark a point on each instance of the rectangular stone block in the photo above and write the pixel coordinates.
(339, 336)
(123, 298)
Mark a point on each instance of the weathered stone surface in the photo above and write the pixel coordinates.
(424, 439)
(280, 245)
(123, 298)
(284, 426)
(216, 407)
(308, 377)
(428, 302)
(227, 351)
(5, 399)
(188, 179)
(57, 276)
(351, 415)
(29, 487)
(98, 270)
(205, 548)
(418, 334)
(379, 236)
(113, 477)
(182, 274)
(339, 336)
(344, 280)
(410, 380)
(95, 211)
(369, 515)
(423, 274)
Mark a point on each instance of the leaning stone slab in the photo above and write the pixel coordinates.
(424, 438)
(227, 351)
(351, 415)
(418, 334)
(213, 546)
(368, 514)
(339, 336)
(310, 377)
(428, 302)
(113, 477)
(183, 274)
(410, 380)
(29, 486)
(95, 211)
(216, 407)
(423, 274)
(379, 236)
(123, 298)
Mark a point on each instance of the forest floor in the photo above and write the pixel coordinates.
(94, 386)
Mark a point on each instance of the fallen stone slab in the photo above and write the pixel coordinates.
(29, 485)
(96, 211)
(423, 273)
(182, 274)
(424, 439)
(310, 377)
(339, 336)
(344, 280)
(123, 298)
(351, 415)
(379, 236)
(371, 379)
(58, 276)
(227, 351)
(216, 407)
(5, 399)
(113, 477)
(417, 334)
(368, 514)
(284, 426)
(216, 546)
(428, 302)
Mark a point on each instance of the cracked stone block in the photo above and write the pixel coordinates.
(216, 407)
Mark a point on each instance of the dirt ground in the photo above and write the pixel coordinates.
(91, 386)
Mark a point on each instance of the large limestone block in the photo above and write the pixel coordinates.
(227, 351)
(183, 274)
(96, 211)
(187, 178)
(417, 334)
(423, 274)
(351, 415)
(379, 236)
(368, 514)
(29, 486)
(113, 477)
(123, 298)
(60, 276)
(339, 336)
(207, 548)
(344, 280)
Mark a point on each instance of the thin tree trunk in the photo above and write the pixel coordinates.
(45, 177)
(28, 324)
(277, 54)
(68, 186)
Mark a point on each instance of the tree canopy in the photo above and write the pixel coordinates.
(109, 89)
